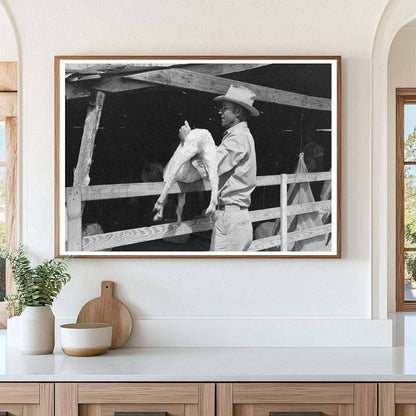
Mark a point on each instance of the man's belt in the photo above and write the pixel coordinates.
(230, 207)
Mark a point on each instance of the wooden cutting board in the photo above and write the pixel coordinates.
(107, 309)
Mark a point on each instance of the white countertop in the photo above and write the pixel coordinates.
(222, 364)
(214, 364)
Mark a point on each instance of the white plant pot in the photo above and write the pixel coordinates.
(37, 330)
(13, 331)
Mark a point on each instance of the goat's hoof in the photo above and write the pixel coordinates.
(209, 212)
(158, 215)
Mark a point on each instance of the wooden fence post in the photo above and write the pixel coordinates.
(82, 171)
(74, 215)
(92, 121)
(283, 207)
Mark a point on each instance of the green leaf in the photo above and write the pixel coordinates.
(35, 286)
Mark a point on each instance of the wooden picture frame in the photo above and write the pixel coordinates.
(116, 127)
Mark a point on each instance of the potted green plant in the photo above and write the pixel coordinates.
(36, 289)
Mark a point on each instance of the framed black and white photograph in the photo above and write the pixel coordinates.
(198, 156)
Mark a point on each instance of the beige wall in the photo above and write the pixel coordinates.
(174, 298)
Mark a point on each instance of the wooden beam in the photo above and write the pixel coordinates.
(119, 82)
(75, 90)
(8, 76)
(143, 234)
(274, 241)
(155, 232)
(283, 206)
(74, 219)
(192, 80)
(130, 190)
(92, 121)
(220, 69)
(8, 105)
(82, 172)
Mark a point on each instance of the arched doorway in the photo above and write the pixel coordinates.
(396, 15)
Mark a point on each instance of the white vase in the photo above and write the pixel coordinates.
(13, 331)
(37, 330)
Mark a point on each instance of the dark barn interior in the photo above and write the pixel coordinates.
(139, 127)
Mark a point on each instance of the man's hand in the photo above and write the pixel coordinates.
(184, 131)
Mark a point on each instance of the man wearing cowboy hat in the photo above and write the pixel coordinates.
(237, 171)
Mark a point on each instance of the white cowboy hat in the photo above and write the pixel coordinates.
(242, 96)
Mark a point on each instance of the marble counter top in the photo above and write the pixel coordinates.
(214, 364)
(221, 364)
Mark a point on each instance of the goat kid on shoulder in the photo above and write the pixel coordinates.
(195, 158)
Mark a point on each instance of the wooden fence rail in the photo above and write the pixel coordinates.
(75, 196)
(130, 190)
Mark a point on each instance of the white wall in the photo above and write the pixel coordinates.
(180, 302)
(8, 46)
(401, 74)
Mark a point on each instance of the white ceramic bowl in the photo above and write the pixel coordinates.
(84, 340)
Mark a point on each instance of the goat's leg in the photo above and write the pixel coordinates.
(179, 208)
(211, 165)
(181, 158)
(160, 203)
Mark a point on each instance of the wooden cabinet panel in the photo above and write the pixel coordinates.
(138, 393)
(405, 393)
(265, 409)
(27, 399)
(110, 409)
(104, 399)
(365, 399)
(66, 399)
(224, 399)
(331, 399)
(386, 403)
(19, 393)
(397, 399)
(207, 399)
(200, 399)
(289, 393)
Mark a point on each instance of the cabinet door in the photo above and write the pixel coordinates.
(297, 399)
(143, 399)
(26, 399)
(397, 399)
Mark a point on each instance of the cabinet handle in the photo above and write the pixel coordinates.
(296, 414)
(138, 414)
